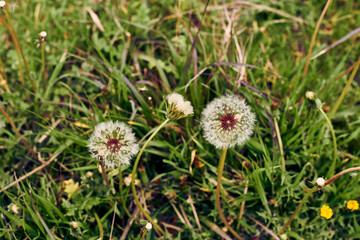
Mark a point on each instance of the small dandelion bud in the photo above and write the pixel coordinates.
(14, 208)
(227, 121)
(320, 182)
(113, 143)
(89, 174)
(74, 224)
(148, 226)
(2, 4)
(177, 107)
(43, 34)
(310, 95)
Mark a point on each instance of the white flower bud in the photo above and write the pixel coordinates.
(43, 34)
(310, 95)
(74, 224)
(148, 226)
(178, 107)
(2, 4)
(320, 182)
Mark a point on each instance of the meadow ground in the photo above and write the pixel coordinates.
(118, 60)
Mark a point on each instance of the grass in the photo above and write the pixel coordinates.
(120, 63)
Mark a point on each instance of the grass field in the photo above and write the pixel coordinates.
(118, 60)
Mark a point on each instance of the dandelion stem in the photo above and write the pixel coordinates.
(104, 173)
(218, 203)
(307, 195)
(133, 176)
(333, 164)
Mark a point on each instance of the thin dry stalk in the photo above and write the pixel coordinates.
(271, 233)
(31, 172)
(314, 37)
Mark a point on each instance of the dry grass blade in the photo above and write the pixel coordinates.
(215, 228)
(191, 202)
(343, 39)
(216, 65)
(95, 18)
(314, 37)
(130, 222)
(265, 228)
(273, 10)
(31, 172)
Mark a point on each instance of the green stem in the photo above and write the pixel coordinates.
(297, 210)
(218, 203)
(143, 234)
(43, 62)
(333, 164)
(133, 176)
(123, 200)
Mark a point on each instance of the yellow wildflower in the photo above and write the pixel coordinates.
(326, 212)
(70, 187)
(352, 205)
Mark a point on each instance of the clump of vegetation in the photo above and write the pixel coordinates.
(116, 119)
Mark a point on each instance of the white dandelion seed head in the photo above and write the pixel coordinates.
(178, 107)
(114, 143)
(148, 226)
(2, 4)
(43, 34)
(227, 121)
(320, 182)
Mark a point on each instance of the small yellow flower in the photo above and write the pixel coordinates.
(326, 212)
(352, 205)
(70, 187)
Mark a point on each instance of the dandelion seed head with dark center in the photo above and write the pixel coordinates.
(228, 121)
(113, 145)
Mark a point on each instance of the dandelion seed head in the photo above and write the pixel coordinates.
(320, 182)
(227, 121)
(148, 226)
(114, 143)
(178, 107)
(2, 4)
(43, 34)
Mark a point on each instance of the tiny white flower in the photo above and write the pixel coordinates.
(2, 4)
(310, 95)
(227, 121)
(74, 224)
(14, 208)
(178, 107)
(320, 182)
(148, 226)
(43, 34)
(114, 143)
